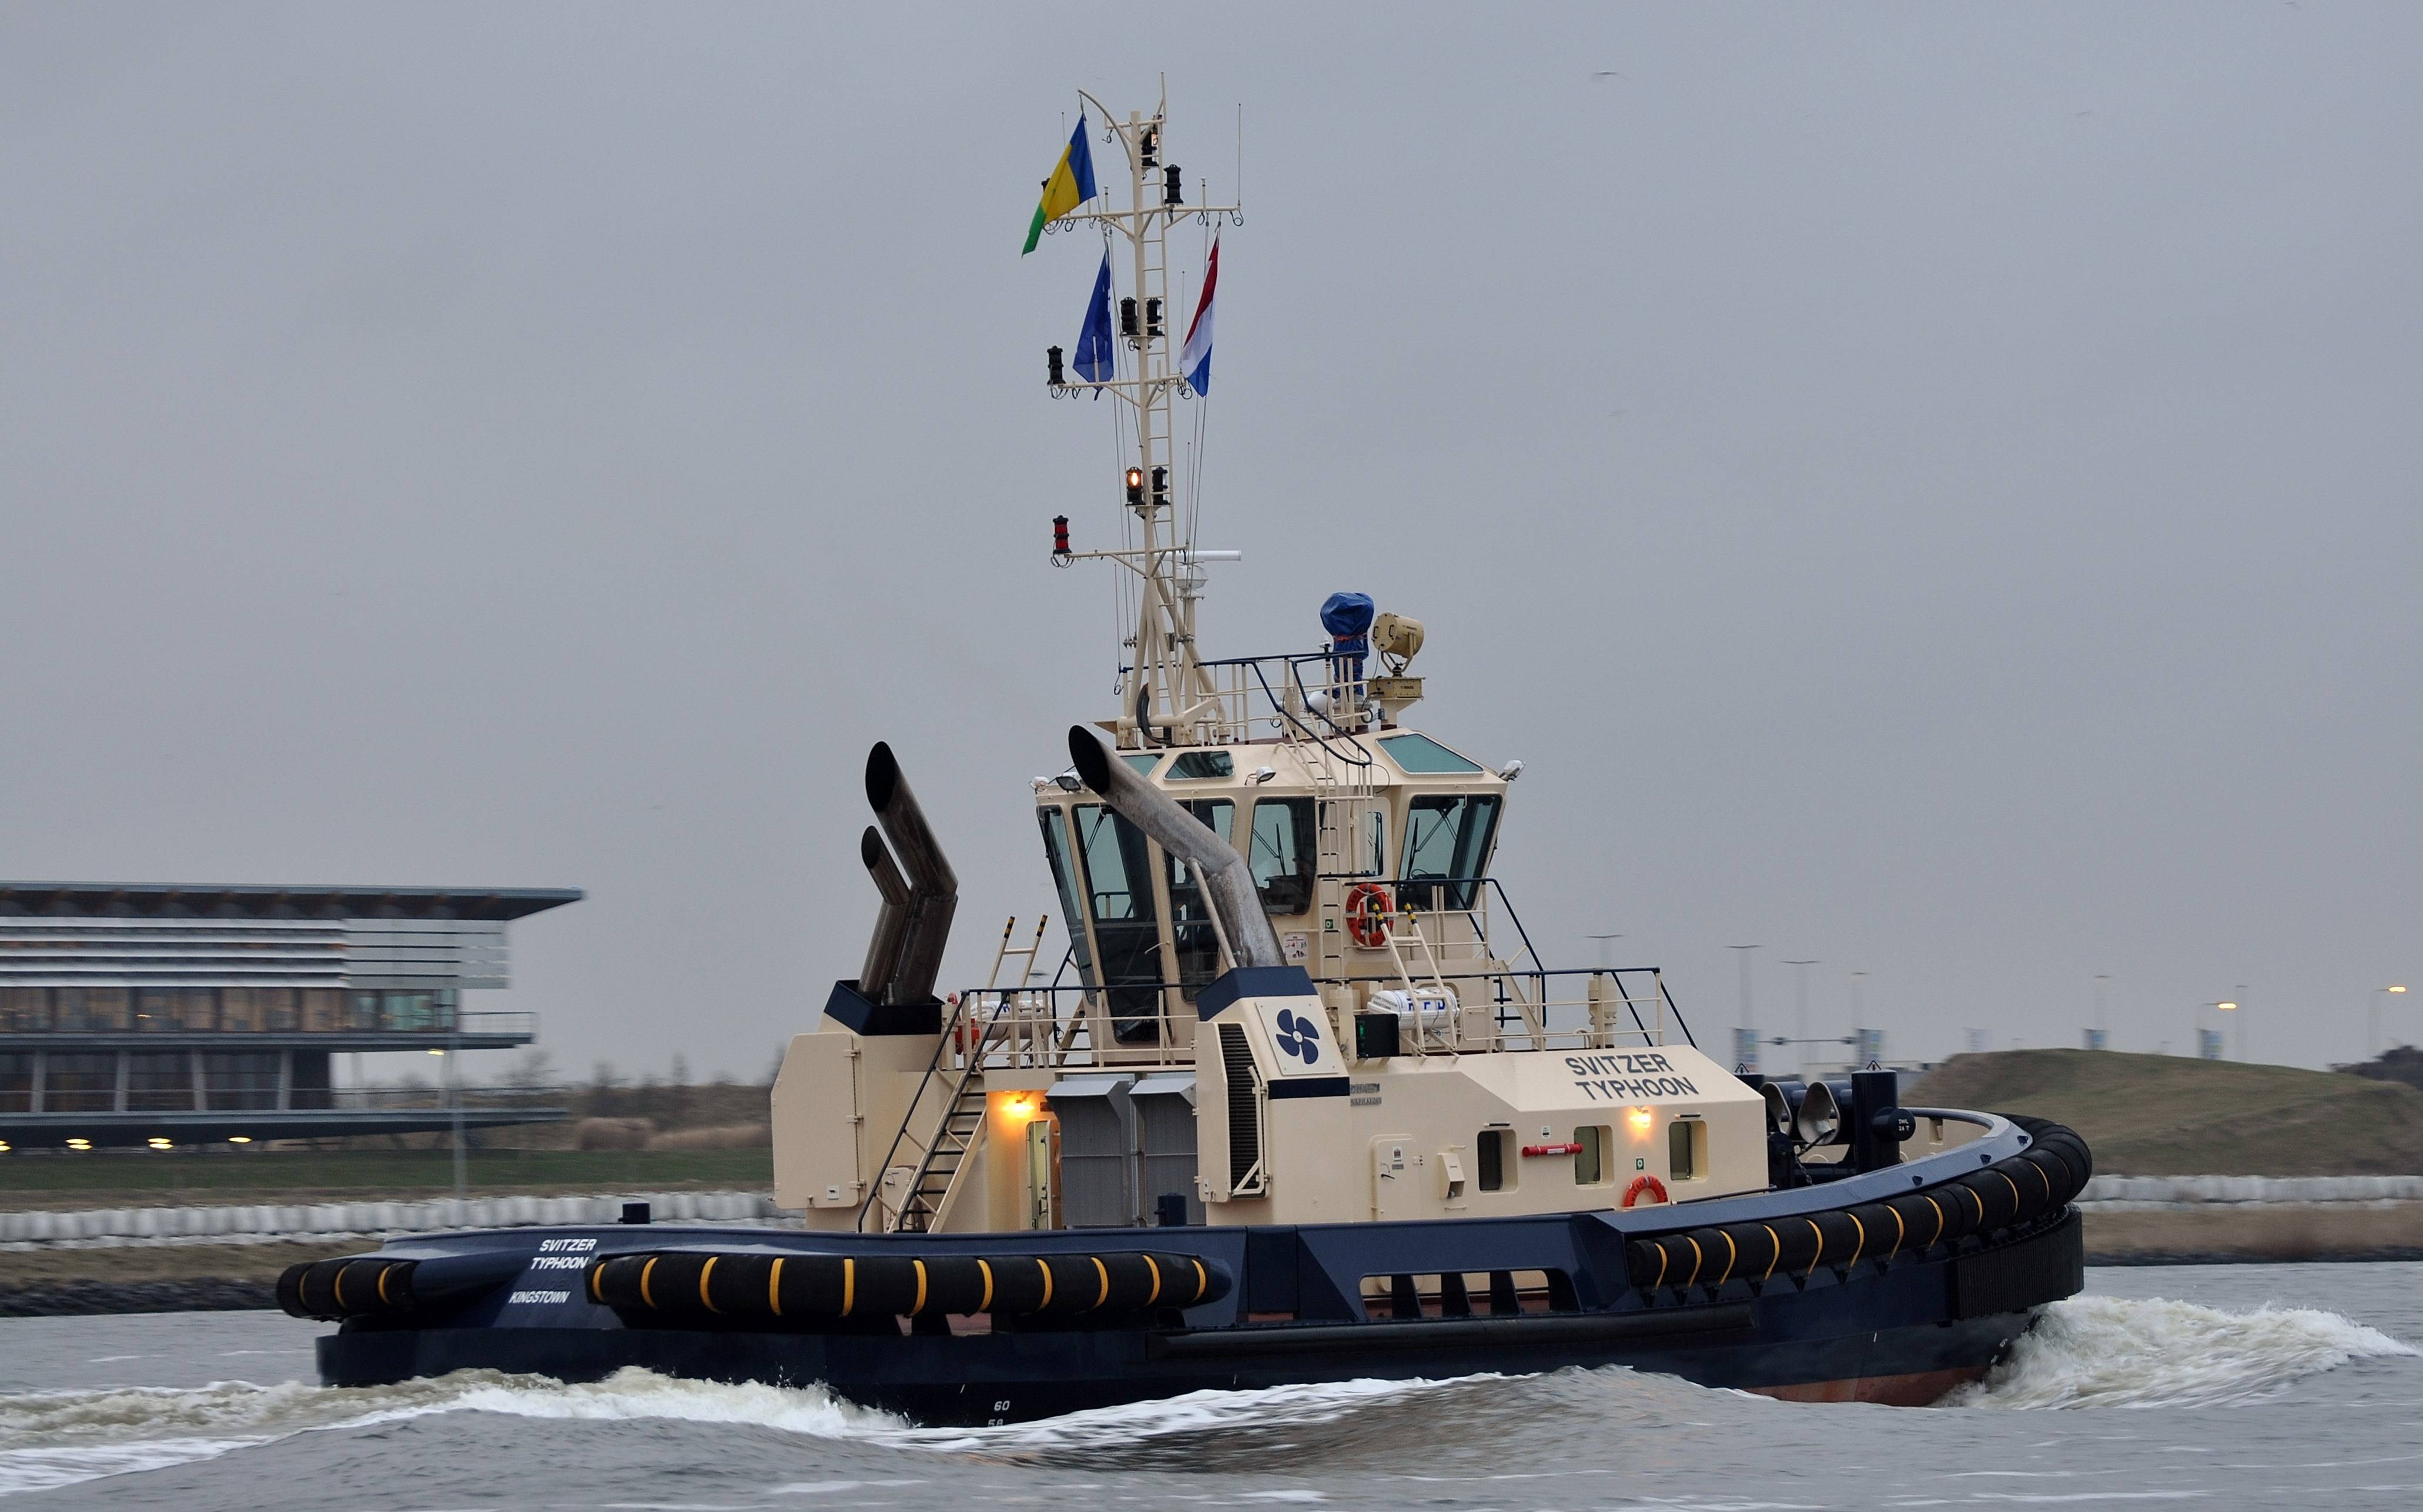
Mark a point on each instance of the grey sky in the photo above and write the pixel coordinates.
(1928, 489)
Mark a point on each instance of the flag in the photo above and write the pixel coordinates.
(1196, 360)
(1095, 346)
(1072, 184)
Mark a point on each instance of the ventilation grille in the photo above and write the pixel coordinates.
(1244, 1112)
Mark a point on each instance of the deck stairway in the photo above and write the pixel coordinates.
(960, 1128)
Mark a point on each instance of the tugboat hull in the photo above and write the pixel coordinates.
(1903, 1330)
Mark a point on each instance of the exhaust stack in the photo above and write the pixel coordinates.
(890, 922)
(1226, 882)
(905, 954)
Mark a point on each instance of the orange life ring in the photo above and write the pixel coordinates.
(1644, 1184)
(1367, 915)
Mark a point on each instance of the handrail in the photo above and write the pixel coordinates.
(875, 1186)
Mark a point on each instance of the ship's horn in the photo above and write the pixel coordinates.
(933, 889)
(891, 923)
(1225, 881)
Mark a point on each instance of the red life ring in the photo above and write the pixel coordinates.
(1644, 1184)
(1367, 915)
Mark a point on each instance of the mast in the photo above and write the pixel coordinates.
(1164, 690)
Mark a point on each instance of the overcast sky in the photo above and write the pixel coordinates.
(1931, 489)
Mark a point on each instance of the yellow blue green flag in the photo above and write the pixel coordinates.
(1072, 184)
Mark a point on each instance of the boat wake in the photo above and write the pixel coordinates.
(2085, 1352)
(2106, 1351)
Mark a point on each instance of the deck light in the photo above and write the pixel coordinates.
(239, 1138)
(158, 1142)
(4, 1147)
(1641, 1118)
(79, 1144)
(437, 1052)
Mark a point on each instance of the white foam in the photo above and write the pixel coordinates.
(2105, 1351)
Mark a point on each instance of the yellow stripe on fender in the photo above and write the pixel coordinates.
(774, 1287)
(337, 1288)
(849, 1283)
(1155, 1295)
(1698, 1259)
(1774, 1256)
(1861, 1230)
(1732, 1257)
(1104, 1272)
(644, 1271)
(919, 1305)
(382, 1286)
(1821, 1249)
(986, 1306)
(1938, 1223)
(703, 1272)
(1202, 1281)
(1045, 1266)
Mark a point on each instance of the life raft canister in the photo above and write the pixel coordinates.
(1367, 915)
(1651, 1185)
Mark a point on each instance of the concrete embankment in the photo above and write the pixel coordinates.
(2149, 1221)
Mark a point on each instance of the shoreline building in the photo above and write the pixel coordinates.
(150, 1013)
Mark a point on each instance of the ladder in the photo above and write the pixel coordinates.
(961, 1126)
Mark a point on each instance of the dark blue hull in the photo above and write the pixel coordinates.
(1901, 1330)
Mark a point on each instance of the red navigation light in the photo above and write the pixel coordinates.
(1059, 535)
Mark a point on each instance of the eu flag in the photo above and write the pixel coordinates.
(1095, 349)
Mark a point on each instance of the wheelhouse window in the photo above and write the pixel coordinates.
(1423, 757)
(1192, 934)
(1195, 766)
(1282, 854)
(1064, 877)
(1446, 847)
(1117, 869)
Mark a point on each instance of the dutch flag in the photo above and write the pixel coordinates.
(1195, 361)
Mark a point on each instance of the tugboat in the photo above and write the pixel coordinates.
(1304, 1103)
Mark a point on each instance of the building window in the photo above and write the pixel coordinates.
(92, 1010)
(24, 1009)
(1492, 1150)
(1590, 1160)
(240, 1083)
(159, 1083)
(324, 1011)
(80, 1084)
(16, 1084)
(174, 1010)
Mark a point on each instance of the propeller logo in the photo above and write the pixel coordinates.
(1299, 1037)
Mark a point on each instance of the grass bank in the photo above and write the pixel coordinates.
(2171, 1116)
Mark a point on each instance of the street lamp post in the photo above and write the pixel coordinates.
(2376, 1017)
(1801, 1007)
(1746, 1040)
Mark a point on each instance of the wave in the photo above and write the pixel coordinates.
(2084, 1352)
(2107, 1351)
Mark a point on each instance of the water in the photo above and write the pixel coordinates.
(2218, 1387)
